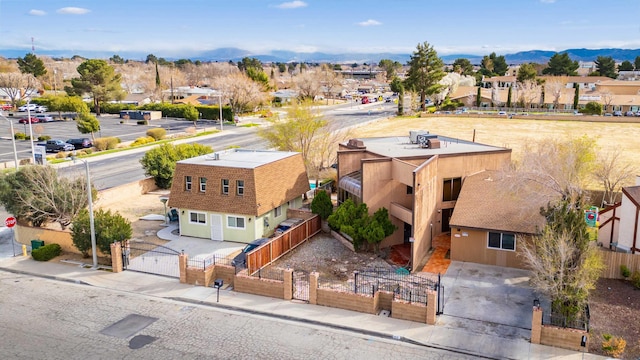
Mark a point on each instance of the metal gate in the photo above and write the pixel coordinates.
(300, 285)
(440, 296)
(150, 258)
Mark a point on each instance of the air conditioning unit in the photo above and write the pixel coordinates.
(413, 135)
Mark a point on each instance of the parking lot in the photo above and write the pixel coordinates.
(109, 126)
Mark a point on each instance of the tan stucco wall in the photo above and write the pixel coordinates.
(424, 210)
(628, 227)
(471, 246)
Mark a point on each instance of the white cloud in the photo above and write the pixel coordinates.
(35, 12)
(292, 5)
(370, 22)
(73, 11)
(547, 1)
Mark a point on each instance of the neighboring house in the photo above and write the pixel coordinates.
(416, 177)
(619, 227)
(490, 223)
(237, 195)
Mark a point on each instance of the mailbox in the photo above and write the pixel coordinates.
(217, 283)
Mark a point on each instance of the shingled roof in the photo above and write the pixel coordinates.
(485, 202)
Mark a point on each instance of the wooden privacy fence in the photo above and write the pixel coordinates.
(612, 261)
(280, 245)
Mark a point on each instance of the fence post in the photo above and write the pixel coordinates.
(287, 276)
(313, 288)
(431, 307)
(182, 264)
(355, 282)
(536, 325)
(116, 257)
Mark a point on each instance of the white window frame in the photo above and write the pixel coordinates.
(187, 183)
(501, 242)
(240, 188)
(198, 216)
(225, 188)
(235, 225)
(203, 184)
(277, 212)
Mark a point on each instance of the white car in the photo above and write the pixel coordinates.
(44, 118)
(30, 107)
(41, 109)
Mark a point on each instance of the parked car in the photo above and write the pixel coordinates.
(6, 107)
(41, 109)
(44, 118)
(617, 113)
(25, 120)
(80, 143)
(30, 107)
(606, 114)
(502, 113)
(56, 145)
(241, 259)
(638, 113)
(629, 113)
(365, 100)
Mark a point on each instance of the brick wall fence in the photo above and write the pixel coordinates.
(283, 289)
(565, 338)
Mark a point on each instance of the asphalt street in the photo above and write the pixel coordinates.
(42, 318)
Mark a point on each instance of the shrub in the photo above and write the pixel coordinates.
(321, 204)
(106, 143)
(592, 108)
(635, 279)
(61, 155)
(624, 271)
(142, 122)
(20, 136)
(142, 140)
(44, 137)
(157, 133)
(46, 252)
(613, 345)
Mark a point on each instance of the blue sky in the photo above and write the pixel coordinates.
(181, 28)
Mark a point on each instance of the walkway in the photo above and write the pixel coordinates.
(440, 260)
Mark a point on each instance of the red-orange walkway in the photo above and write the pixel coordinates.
(438, 262)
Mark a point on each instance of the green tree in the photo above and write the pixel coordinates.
(509, 97)
(351, 219)
(500, 65)
(160, 162)
(636, 63)
(247, 63)
(282, 67)
(260, 77)
(561, 64)
(87, 124)
(479, 97)
(592, 108)
(37, 195)
(322, 205)
(463, 66)
(576, 96)
(30, 64)
(158, 83)
(117, 59)
(397, 86)
(299, 131)
(606, 66)
(66, 103)
(625, 66)
(151, 59)
(99, 79)
(109, 228)
(390, 68)
(526, 72)
(425, 72)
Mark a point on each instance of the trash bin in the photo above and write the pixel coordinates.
(36, 244)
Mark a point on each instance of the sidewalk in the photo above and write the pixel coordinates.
(469, 340)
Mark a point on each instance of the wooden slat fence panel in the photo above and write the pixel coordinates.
(613, 260)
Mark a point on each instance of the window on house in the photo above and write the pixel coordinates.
(187, 183)
(504, 241)
(225, 186)
(277, 211)
(197, 218)
(451, 189)
(240, 187)
(409, 190)
(203, 184)
(235, 222)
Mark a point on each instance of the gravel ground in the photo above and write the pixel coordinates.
(330, 258)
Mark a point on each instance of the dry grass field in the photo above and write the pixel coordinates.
(513, 133)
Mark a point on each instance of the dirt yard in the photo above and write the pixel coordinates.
(615, 310)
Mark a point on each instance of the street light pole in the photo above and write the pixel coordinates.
(91, 220)
(13, 140)
(220, 108)
(33, 151)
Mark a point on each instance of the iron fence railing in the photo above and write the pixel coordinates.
(204, 262)
(578, 321)
(269, 273)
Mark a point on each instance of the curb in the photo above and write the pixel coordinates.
(50, 277)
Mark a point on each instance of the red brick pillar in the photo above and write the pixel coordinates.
(313, 288)
(287, 275)
(536, 325)
(116, 257)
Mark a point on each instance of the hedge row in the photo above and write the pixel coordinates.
(209, 112)
(46, 252)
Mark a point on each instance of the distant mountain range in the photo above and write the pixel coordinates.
(235, 54)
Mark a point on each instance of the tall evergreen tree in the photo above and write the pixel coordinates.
(157, 77)
(606, 66)
(576, 96)
(561, 64)
(509, 97)
(99, 79)
(425, 72)
(479, 97)
(30, 64)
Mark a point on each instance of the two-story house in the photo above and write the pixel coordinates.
(418, 178)
(237, 195)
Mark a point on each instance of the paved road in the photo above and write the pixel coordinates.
(56, 320)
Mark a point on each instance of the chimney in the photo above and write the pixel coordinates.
(355, 144)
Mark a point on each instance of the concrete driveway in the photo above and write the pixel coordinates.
(488, 299)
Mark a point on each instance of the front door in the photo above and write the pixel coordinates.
(216, 227)
(407, 233)
(446, 216)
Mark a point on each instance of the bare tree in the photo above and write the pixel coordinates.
(193, 74)
(553, 87)
(324, 150)
(330, 80)
(529, 92)
(607, 98)
(309, 85)
(243, 93)
(18, 86)
(612, 174)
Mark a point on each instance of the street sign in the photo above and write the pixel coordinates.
(10, 222)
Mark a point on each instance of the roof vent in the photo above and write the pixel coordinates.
(355, 144)
(413, 135)
(214, 156)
